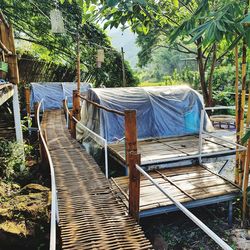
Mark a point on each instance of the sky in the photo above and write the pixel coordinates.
(127, 40)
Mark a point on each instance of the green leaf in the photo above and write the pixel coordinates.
(245, 137)
(141, 2)
(106, 24)
(176, 3)
(202, 7)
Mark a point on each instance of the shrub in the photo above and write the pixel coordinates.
(12, 162)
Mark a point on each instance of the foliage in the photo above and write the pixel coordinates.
(32, 26)
(26, 123)
(12, 162)
(163, 61)
(223, 83)
(208, 29)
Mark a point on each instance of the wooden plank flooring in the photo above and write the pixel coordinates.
(90, 215)
(184, 183)
(154, 150)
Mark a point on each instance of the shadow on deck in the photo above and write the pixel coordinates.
(90, 215)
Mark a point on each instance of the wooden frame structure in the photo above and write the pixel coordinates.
(133, 158)
(7, 46)
(134, 180)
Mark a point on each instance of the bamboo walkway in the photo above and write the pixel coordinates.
(90, 216)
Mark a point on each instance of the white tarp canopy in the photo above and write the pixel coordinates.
(163, 111)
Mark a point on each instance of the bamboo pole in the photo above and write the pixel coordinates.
(123, 69)
(243, 100)
(243, 78)
(245, 183)
(78, 59)
(237, 114)
(248, 109)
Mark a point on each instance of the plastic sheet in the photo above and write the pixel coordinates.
(53, 93)
(163, 111)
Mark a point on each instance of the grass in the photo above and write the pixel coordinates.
(148, 84)
(161, 83)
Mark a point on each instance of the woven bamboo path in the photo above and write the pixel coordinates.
(90, 216)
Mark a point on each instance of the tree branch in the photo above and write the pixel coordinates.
(187, 49)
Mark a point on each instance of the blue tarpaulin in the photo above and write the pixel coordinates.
(53, 93)
(162, 111)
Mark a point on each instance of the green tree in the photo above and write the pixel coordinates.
(208, 29)
(32, 24)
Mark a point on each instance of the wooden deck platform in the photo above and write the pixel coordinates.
(193, 186)
(90, 215)
(154, 151)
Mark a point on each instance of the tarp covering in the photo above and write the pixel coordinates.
(53, 93)
(163, 111)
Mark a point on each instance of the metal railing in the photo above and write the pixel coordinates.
(54, 210)
(102, 107)
(200, 155)
(104, 144)
(103, 140)
(191, 216)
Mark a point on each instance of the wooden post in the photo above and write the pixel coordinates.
(35, 113)
(72, 125)
(27, 100)
(43, 154)
(123, 69)
(76, 111)
(245, 183)
(64, 106)
(132, 158)
(12, 59)
(78, 64)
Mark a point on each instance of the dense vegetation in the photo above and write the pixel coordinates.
(206, 29)
(33, 31)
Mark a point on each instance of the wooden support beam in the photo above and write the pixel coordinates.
(35, 113)
(72, 125)
(130, 132)
(43, 154)
(12, 59)
(3, 19)
(76, 111)
(27, 100)
(5, 49)
(134, 185)
(132, 158)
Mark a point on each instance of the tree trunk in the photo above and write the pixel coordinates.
(210, 85)
(202, 73)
